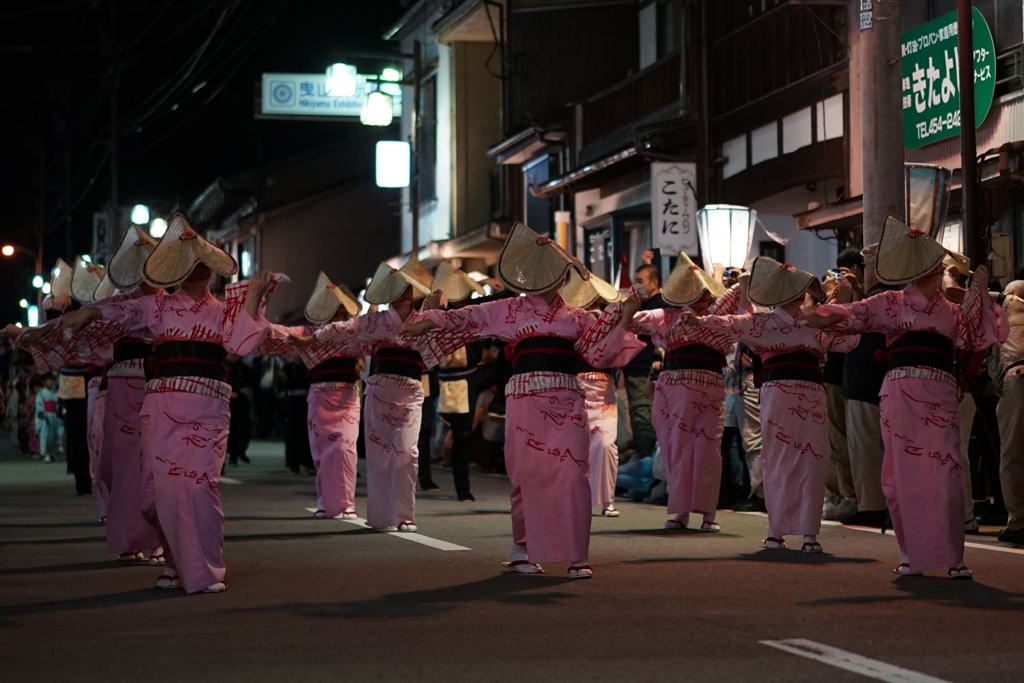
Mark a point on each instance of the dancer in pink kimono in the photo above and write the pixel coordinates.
(129, 533)
(795, 457)
(689, 396)
(333, 396)
(547, 438)
(599, 387)
(185, 414)
(394, 393)
(921, 472)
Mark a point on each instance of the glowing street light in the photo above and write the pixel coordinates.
(157, 228)
(378, 109)
(7, 250)
(37, 281)
(394, 163)
(23, 303)
(46, 288)
(341, 80)
(140, 214)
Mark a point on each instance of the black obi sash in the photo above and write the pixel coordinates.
(695, 357)
(337, 369)
(921, 349)
(545, 354)
(131, 348)
(186, 358)
(796, 365)
(394, 360)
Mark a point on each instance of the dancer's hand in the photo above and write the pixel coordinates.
(434, 300)
(301, 341)
(417, 328)
(77, 319)
(820, 320)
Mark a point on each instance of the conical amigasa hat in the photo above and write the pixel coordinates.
(531, 264)
(178, 252)
(60, 280)
(86, 279)
(773, 283)
(125, 267)
(414, 269)
(455, 284)
(389, 283)
(582, 293)
(326, 298)
(105, 288)
(687, 282)
(904, 255)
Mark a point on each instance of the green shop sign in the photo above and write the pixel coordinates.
(931, 85)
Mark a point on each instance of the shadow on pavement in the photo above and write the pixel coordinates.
(941, 591)
(776, 556)
(79, 567)
(135, 597)
(233, 538)
(504, 588)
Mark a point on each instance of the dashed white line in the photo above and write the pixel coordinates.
(842, 659)
(414, 537)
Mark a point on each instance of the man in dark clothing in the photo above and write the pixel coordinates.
(863, 373)
(239, 377)
(297, 453)
(636, 375)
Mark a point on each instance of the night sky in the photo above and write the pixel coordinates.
(184, 105)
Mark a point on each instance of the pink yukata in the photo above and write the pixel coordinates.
(547, 439)
(392, 413)
(96, 399)
(796, 455)
(128, 531)
(603, 420)
(689, 402)
(185, 423)
(333, 415)
(921, 472)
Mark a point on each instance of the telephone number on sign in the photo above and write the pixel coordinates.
(937, 124)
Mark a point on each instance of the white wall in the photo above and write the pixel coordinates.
(804, 250)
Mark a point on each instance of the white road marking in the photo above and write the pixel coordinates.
(229, 480)
(842, 659)
(414, 537)
(890, 532)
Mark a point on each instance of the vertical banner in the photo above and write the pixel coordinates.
(674, 208)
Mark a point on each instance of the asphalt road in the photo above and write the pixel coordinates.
(327, 600)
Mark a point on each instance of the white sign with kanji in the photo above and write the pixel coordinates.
(674, 207)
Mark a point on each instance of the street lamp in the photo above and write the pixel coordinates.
(344, 79)
(725, 233)
(140, 214)
(9, 250)
(341, 80)
(157, 228)
(378, 110)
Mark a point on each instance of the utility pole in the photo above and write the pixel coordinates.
(414, 138)
(115, 69)
(881, 118)
(973, 244)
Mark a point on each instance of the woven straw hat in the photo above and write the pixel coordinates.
(583, 293)
(125, 266)
(962, 263)
(60, 282)
(904, 255)
(1013, 306)
(531, 264)
(773, 283)
(105, 288)
(687, 282)
(455, 284)
(85, 280)
(178, 252)
(326, 298)
(389, 283)
(414, 269)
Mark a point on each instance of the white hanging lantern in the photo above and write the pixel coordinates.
(394, 163)
(726, 234)
(378, 109)
(341, 80)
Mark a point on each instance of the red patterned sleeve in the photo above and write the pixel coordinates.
(728, 303)
(977, 328)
